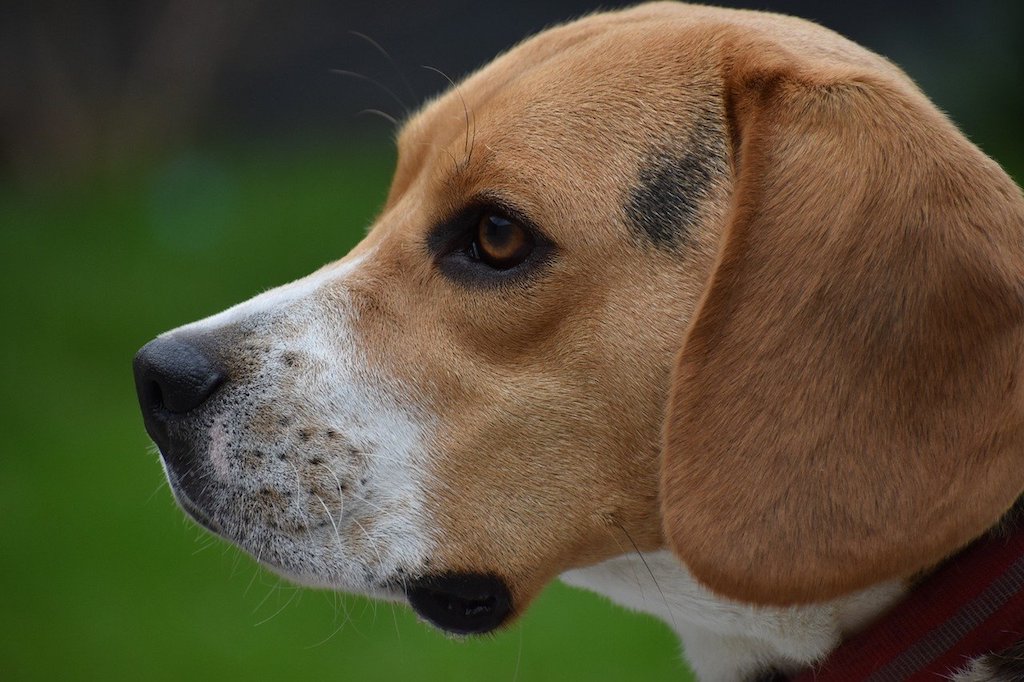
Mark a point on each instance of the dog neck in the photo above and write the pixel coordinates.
(727, 640)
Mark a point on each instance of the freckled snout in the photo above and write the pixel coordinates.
(172, 377)
(276, 435)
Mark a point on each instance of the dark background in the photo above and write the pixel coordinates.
(162, 160)
(89, 86)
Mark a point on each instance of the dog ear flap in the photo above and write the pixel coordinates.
(847, 406)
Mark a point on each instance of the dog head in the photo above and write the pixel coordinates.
(715, 280)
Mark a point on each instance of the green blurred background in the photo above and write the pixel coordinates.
(161, 161)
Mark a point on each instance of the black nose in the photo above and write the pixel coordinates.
(173, 377)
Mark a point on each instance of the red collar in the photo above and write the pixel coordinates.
(971, 605)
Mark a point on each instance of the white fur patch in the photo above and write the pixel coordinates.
(277, 298)
(726, 640)
(317, 459)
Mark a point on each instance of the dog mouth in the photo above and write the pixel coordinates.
(191, 508)
(461, 603)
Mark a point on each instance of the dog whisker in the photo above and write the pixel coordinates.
(338, 628)
(161, 486)
(468, 150)
(391, 61)
(204, 539)
(375, 82)
(394, 618)
(330, 516)
(367, 502)
(256, 572)
(640, 554)
(369, 541)
(295, 592)
(382, 114)
(519, 656)
(337, 481)
(276, 587)
(622, 551)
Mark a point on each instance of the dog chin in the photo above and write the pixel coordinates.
(461, 603)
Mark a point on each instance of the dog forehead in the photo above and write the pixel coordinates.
(617, 56)
(619, 78)
(574, 122)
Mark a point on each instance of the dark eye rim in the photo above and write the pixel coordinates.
(449, 244)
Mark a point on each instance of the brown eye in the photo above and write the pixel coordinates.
(499, 242)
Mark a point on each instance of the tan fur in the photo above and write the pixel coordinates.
(845, 408)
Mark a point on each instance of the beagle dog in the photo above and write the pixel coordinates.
(709, 311)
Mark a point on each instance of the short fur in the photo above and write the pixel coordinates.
(674, 181)
(865, 316)
(776, 349)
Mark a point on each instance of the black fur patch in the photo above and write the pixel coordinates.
(673, 182)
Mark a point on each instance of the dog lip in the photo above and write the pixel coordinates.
(200, 516)
(190, 507)
(461, 603)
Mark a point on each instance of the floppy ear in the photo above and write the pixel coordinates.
(847, 405)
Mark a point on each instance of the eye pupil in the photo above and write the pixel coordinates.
(500, 243)
(498, 232)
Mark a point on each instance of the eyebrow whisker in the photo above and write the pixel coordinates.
(376, 83)
(391, 60)
(382, 114)
(468, 147)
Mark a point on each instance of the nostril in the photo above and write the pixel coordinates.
(155, 397)
(173, 376)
